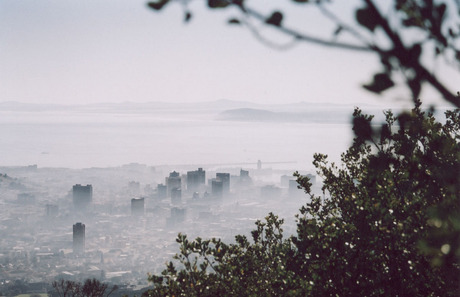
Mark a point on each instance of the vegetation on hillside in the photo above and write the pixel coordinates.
(89, 288)
(388, 224)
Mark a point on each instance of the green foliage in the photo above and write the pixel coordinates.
(387, 224)
(218, 3)
(244, 268)
(381, 82)
(372, 233)
(275, 19)
(367, 18)
(90, 288)
(158, 5)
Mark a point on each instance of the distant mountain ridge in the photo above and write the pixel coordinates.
(260, 115)
(141, 107)
(220, 105)
(227, 110)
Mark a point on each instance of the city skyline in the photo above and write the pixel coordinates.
(128, 227)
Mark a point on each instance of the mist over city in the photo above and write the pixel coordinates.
(79, 212)
(229, 148)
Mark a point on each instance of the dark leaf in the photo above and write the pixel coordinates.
(437, 51)
(385, 59)
(385, 133)
(218, 3)
(411, 56)
(382, 82)
(404, 119)
(362, 128)
(415, 52)
(301, 1)
(426, 12)
(188, 16)
(158, 4)
(441, 10)
(234, 21)
(415, 87)
(367, 18)
(275, 19)
(411, 22)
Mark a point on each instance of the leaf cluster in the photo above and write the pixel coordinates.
(387, 224)
(243, 268)
(90, 288)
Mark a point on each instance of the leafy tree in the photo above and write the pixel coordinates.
(387, 224)
(400, 32)
(395, 193)
(213, 268)
(90, 288)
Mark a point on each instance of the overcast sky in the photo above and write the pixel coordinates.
(89, 51)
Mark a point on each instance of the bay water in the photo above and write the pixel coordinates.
(76, 139)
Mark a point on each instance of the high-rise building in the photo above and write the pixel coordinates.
(137, 206)
(52, 210)
(216, 188)
(174, 181)
(244, 173)
(195, 179)
(79, 238)
(270, 192)
(134, 187)
(285, 180)
(177, 216)
(162, 191)
(245, 179)
(176, 195)
(225, 178)
(82, 196)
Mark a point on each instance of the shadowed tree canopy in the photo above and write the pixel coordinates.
(387, 224)
(399, 32)
(90, 288)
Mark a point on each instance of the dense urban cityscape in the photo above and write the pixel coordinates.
(118, 224)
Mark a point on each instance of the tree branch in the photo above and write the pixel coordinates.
(405, 57)
(303, 37)
(340, 23)
(267, 42)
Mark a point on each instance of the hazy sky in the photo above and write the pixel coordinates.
(88, 51)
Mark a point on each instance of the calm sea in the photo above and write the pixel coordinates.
(82, 140)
